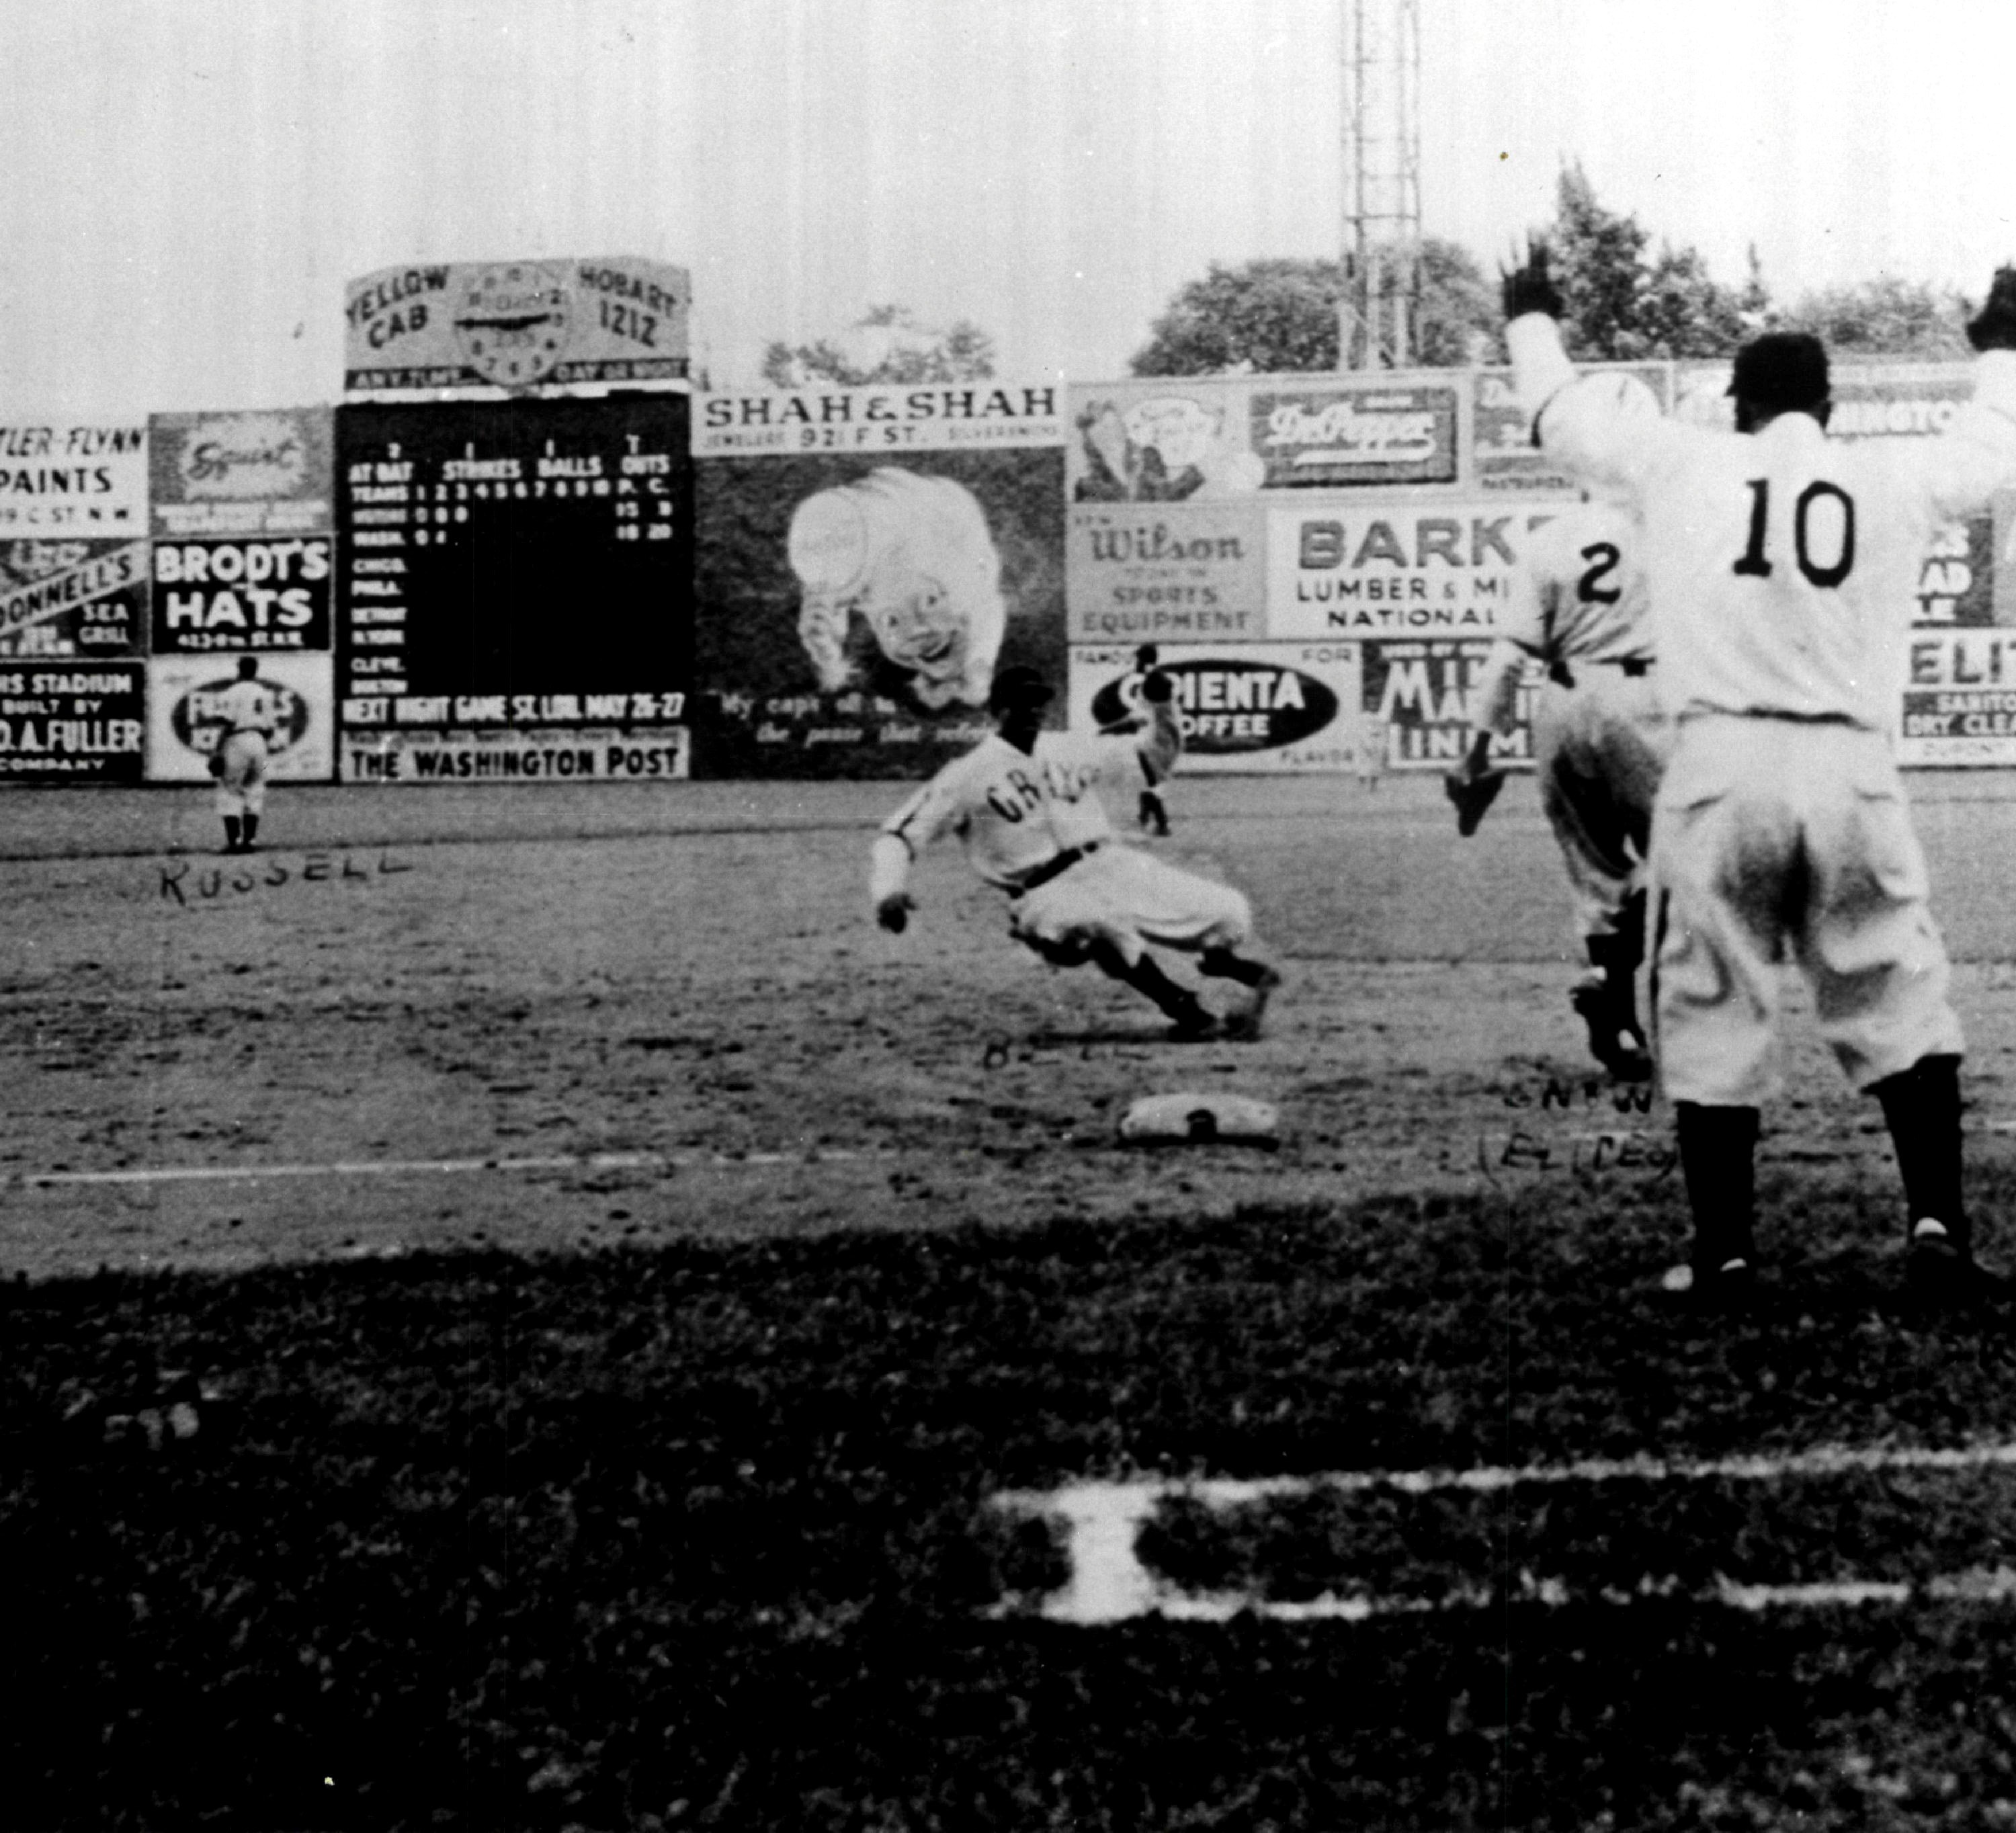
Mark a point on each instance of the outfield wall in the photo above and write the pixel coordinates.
(1221, 517)
(609, 578)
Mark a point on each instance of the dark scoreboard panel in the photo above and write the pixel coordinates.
(514, 563)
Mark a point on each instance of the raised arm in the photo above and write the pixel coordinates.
(1976, 456)
(1607, 428)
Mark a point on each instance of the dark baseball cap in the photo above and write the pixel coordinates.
(1019, 685)
(1781, 373)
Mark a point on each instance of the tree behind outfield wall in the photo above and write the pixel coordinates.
(1623, 305)
(887, 344)
(1273, 315)
(1884, 317)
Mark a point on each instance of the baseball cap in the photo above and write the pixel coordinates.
(1782, 371)
(1019, 686)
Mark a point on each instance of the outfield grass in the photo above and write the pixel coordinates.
(702, 1535)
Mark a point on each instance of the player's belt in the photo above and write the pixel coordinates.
(1056, 865)
(1562, 676)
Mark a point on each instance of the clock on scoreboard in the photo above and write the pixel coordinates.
(524, 563)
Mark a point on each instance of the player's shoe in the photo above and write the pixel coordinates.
(1941, 1271)
(1245, 1024)
(1617, 1043)
(1730, 1286)
(1198, 1025)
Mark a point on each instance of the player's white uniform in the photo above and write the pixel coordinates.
(1782, 567)
(250, 714)
(1032, 825)
(1600, 740)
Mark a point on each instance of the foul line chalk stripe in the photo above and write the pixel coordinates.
(171, 1174)
(1975, 1585)
(1109, 1583)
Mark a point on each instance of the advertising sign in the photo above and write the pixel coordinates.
(83, 722)
(73, 480)
(1959, 698)
(881, 422)
(514, 563)
(1180, 572)
(72, 598)
(250, 594)
(185, 726)
(1168, 440)
(1255, 708)
(1502, 430)
(1337, 435)
(594, 754)
(249, 473)
(1421, 692)
(516, 324)
(1338, 570)
(851, 607)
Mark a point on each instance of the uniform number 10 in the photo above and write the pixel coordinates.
(1753, 563)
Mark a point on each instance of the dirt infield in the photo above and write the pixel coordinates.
(673, 1001)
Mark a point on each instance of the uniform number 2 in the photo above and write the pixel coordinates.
(1753, 563)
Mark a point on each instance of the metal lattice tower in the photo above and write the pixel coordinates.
(1377, 311)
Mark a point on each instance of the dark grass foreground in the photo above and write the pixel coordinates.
(699, 1537)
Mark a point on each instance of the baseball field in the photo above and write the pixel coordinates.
(523, 1309)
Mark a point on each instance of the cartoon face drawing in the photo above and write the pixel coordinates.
(913, 557)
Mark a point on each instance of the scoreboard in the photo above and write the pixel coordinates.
(514, 564)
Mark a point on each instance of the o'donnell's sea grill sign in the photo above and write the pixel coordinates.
(511, 324)
(1243, 707)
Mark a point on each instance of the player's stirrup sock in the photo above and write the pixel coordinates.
(1223, 964)
(232, 825)
(1618, 956)
(1921, 1105)
(251, 829)
(1147, 977)
(1718, 1150)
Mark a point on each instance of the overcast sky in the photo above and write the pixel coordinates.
(187, 183)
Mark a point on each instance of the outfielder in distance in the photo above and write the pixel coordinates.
(250, 713)
(1782, 567)
(1599, 740)
(1025, 802)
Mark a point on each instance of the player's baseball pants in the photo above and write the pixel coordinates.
(1600, 748)
(1125, 897)
(1778, 837)
(241, 787)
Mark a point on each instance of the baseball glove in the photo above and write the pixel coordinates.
(1157, 688)
(1530, 288)
(1473, 795)
(1995, 326)
(214, 764)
